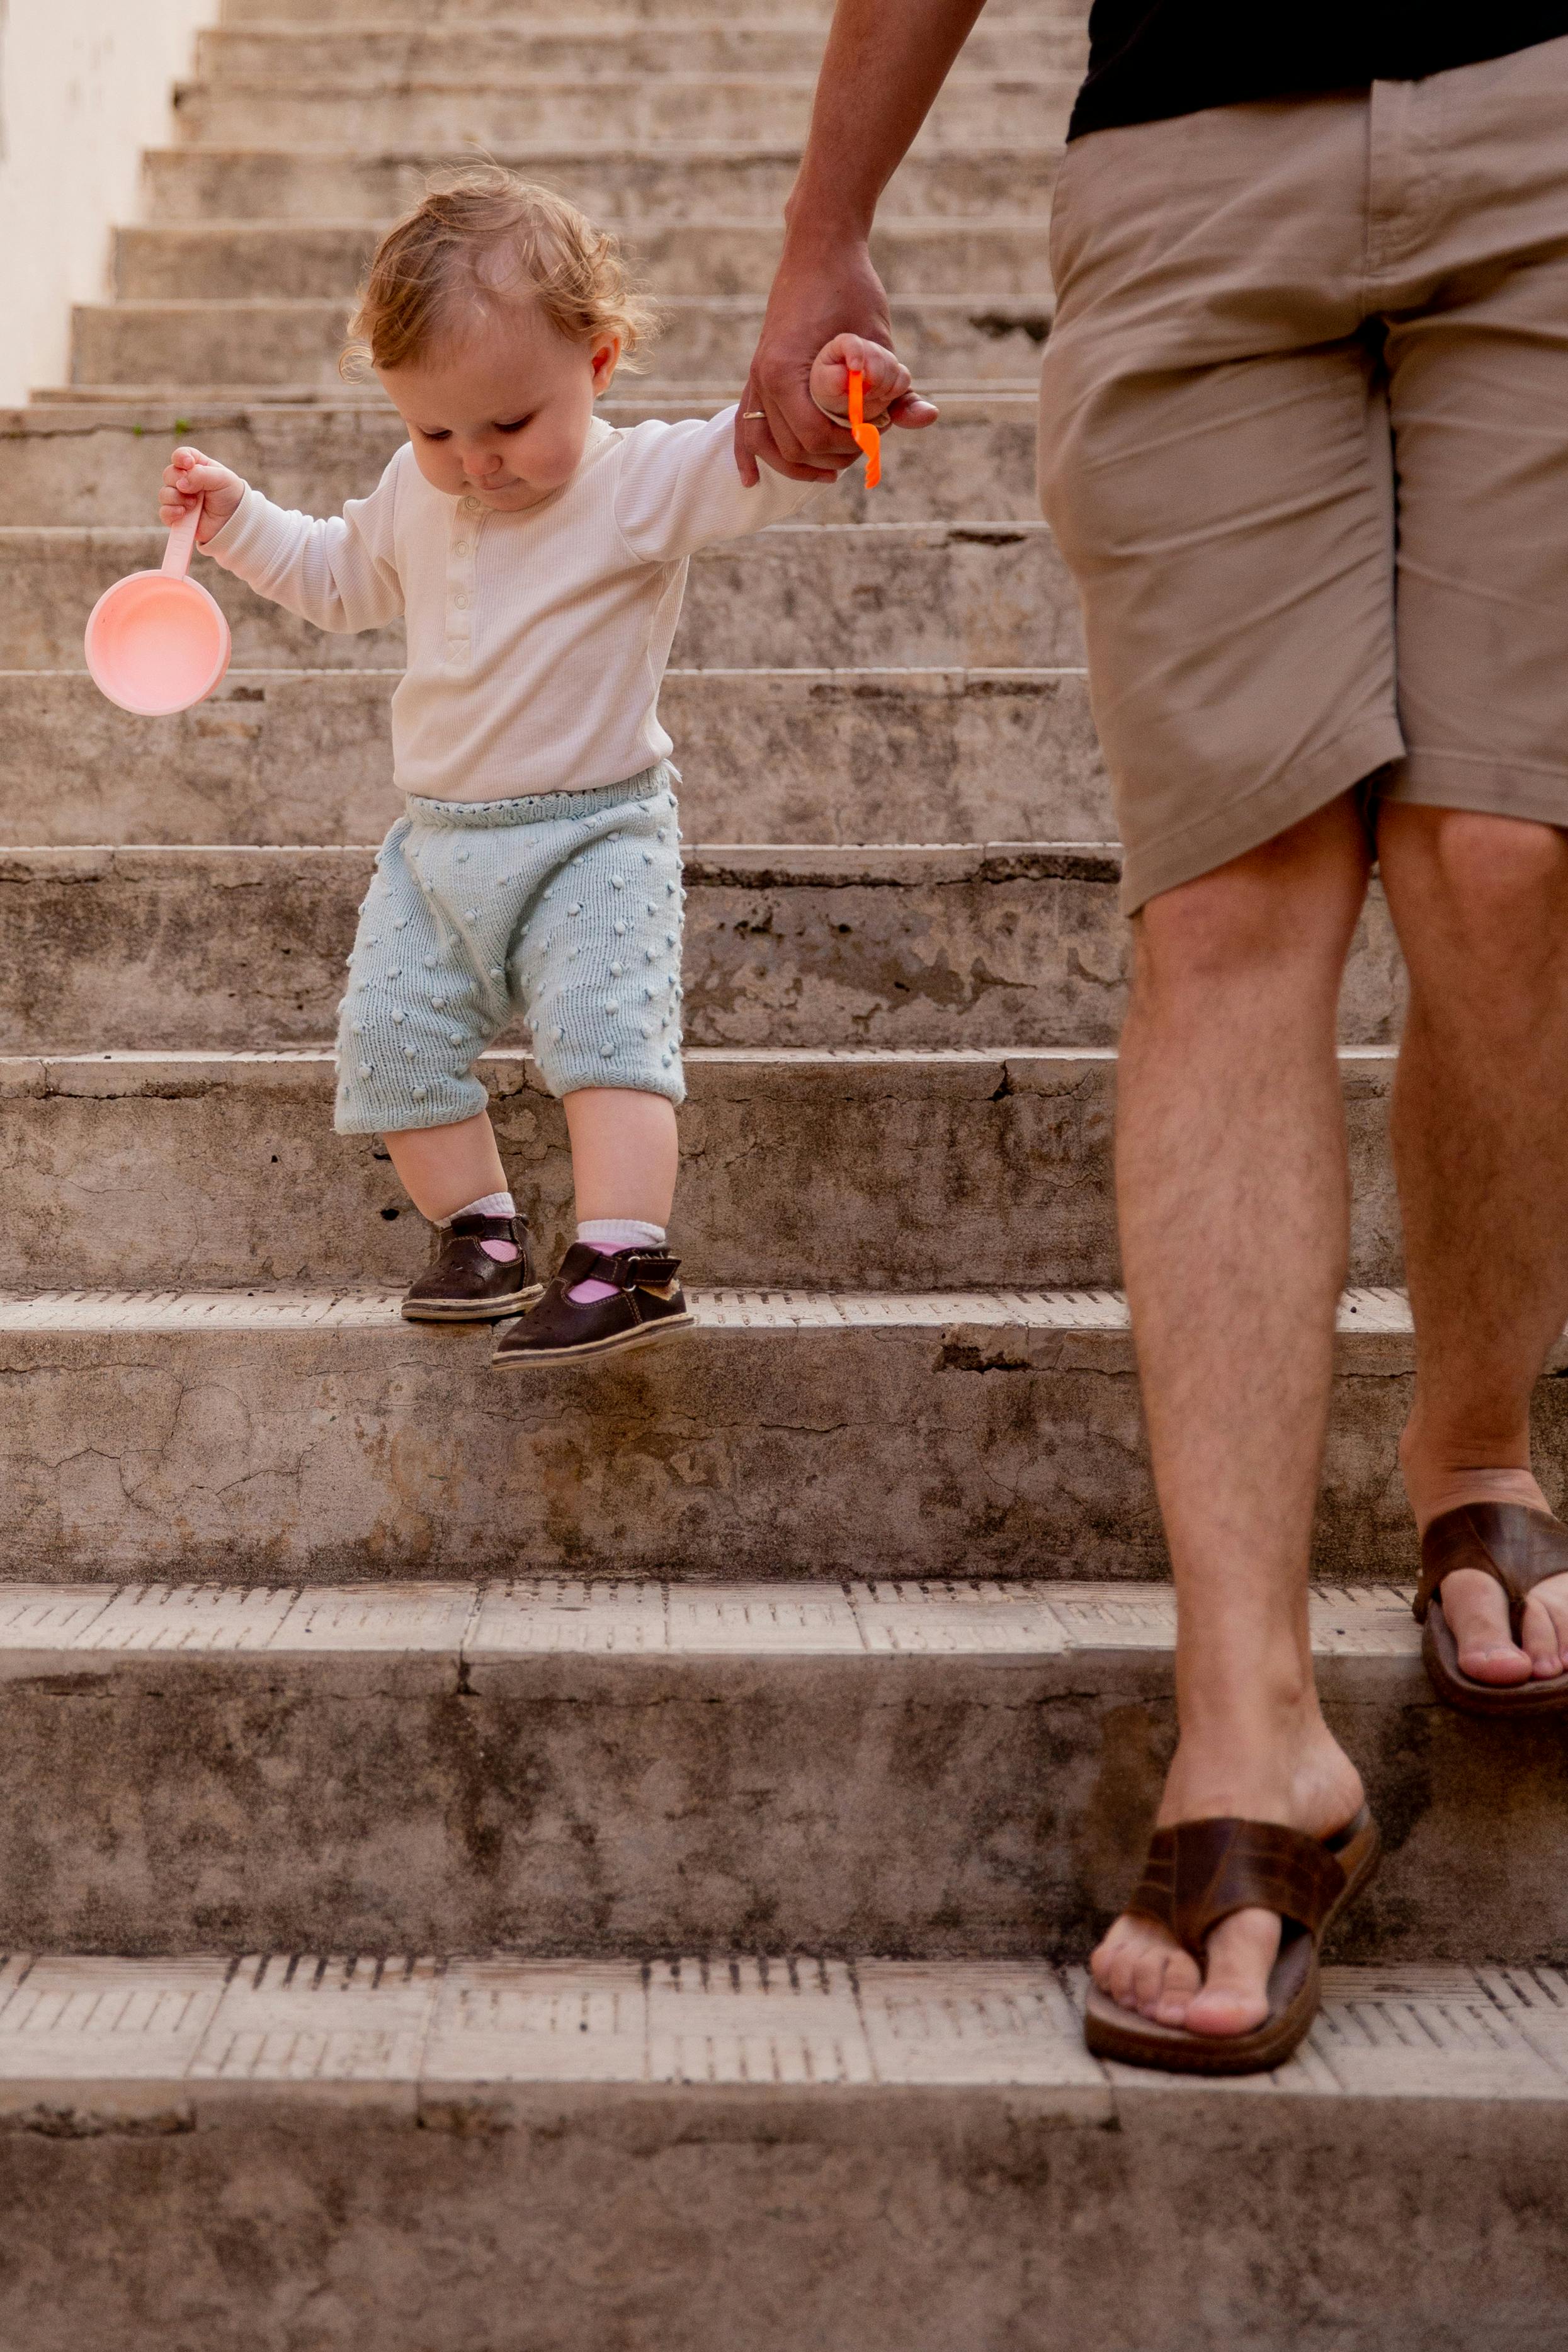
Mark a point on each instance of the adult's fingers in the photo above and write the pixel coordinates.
(756, 445)
(745, 453)
(764, 430)
(802, 432)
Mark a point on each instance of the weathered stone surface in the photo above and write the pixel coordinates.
(99, 461)
(651, 184)
(112, 1166)
(790, 945)
(484, 50)
(706, 341)
(924, 596)
(255, 1438)
(480, 15)
(231, 260)
(279, 757)
(690, 2155)
(678, 107)
(561, 1767)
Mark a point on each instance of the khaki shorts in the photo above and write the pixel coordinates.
(1304, 443)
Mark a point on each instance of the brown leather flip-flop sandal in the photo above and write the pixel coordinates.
(1197, 1874)
(1520, 1548)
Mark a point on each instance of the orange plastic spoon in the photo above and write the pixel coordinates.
(867, 435)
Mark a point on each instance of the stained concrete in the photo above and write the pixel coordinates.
(281, 757)
(685, 2159)
(932, 596)
(679, 105)
(252, 1438)
(96, 461)
(561, 1768)
(463, 14)
(234, 260)
(956, 340)
(656, 184)
(111, 1167)
(1006, 943)
(482, 50)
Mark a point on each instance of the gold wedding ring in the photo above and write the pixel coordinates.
(753, 416)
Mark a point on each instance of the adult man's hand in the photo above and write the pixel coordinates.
(883, 66)
(815, 296)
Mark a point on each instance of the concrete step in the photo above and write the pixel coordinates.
(278, 1435)
(681, 107)
(956, 595)
(654, 184)
(965, 341)
(1003, 1165)
(926, 1769)
(96, 459)
(483, 17)
(506, 48)
(279, 756)
(798, 2157)
(315, 261)
(996, 944)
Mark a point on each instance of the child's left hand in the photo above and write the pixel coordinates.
(890, 399)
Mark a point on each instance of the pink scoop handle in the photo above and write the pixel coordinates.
(182, 542)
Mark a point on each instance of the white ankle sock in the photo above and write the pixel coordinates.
(611, 1234)
(491, 1204)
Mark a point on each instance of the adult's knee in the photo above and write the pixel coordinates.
(1282, 916)
(1473, 888)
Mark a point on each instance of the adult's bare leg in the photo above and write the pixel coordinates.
(1233, 1193)
(1481, 1147)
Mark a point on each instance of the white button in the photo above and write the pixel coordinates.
(460, 547)
(470, 506)
(461, 599)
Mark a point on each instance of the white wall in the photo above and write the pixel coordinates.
(84, 86)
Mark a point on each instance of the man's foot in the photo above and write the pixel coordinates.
(1475, 1605)
(635, 1297)
(465, 1282)
(1141, 1965)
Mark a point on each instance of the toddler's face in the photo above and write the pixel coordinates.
(502, 413)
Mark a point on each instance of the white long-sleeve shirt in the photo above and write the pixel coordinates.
(537, 642)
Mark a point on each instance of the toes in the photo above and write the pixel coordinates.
(1143, 1968)
(1544, 1632)
(1183, 1978)
(1475, 1609)
(1234, 1993)
(1149, 1976)
(1131, 1962)
(1112, 1962)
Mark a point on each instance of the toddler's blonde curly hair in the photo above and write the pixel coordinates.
(479, 238)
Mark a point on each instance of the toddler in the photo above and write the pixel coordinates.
(538, 557)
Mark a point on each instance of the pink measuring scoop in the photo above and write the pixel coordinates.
(156, 642)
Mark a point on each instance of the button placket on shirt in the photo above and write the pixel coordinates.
(462, 581)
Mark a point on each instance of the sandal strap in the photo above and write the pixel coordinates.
(1198, 1873)
(487, 1229)
(1517, 1546)
(626, 1269)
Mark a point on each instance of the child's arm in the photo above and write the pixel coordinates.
(340, 574)
(887, 379)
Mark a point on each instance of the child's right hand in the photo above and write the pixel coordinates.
(189, 476)
(890, 397)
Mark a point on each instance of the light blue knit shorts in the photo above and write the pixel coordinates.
(563, 907)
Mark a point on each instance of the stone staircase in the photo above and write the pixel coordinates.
(607, 1867)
